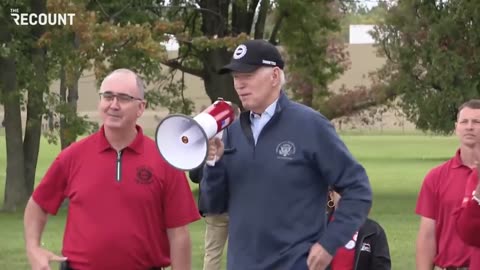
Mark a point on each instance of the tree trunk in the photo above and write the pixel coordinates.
(35, 105)
(217, 85)
(214, 24)
(69, 85)
(261, 19)
(63, 118)
(15, 190)
(33, 126)
(67, 133)
(240, 18)
(307, 95)
(63, 98)
(71, 75)
(220, 86)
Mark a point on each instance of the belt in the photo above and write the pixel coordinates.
(450, 268)
(66, 266)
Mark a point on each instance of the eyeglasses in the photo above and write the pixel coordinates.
(121, 98)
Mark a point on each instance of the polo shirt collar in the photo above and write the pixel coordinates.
(457, 160)
(136, 145)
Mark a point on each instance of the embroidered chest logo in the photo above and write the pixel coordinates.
(366, 248)
(144, 175)
(285, 150)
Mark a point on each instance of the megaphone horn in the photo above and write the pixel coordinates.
(183, 141)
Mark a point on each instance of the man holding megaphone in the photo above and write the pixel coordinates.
(274, 178)
(216, 224)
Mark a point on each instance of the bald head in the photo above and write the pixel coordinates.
(128, 75)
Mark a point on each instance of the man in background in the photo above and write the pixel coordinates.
(438, 243)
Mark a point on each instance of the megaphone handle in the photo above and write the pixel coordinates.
(211, 162)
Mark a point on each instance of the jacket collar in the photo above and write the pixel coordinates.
(368, 229)
(245, 121)
(282, 102)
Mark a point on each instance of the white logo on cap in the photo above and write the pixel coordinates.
(240, 51)
(271, 63)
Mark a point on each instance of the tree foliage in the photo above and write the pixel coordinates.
(212, 29)
(354, 12)
(124, 33)
(433, 65)
(313, 52)
(310, 77)
(25, 80)
(32, 56)
(103, 38)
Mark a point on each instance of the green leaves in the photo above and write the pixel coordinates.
(313, 54)
(433, 55)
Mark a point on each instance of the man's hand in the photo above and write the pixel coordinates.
(40, 258)
(318, 258)
(215, 149)
(477, 190)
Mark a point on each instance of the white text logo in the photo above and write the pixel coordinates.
(41, 18)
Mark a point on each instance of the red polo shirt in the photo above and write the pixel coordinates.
(440, 196)
(121, 204)
(468, 221)
(344, 259)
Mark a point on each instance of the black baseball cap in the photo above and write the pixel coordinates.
(253, 54)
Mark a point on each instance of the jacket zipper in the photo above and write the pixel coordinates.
(119, 166)
(358, 248)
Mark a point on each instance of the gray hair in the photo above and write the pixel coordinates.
(138, 79)
(281, 74)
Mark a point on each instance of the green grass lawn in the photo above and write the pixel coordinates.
(396, 165)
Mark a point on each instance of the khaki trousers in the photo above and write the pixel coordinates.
(216, 233)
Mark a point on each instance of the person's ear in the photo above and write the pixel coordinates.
(141, 108)
(275, 76)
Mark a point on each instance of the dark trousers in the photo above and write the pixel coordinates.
(300, 264)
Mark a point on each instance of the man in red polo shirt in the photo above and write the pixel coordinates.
(438, 244)
(468, 217)
(128, 209)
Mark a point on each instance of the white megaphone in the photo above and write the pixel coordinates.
(183, 141)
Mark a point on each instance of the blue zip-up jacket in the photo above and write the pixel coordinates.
(275, 191)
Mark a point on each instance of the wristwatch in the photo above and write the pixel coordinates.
(475, 198)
